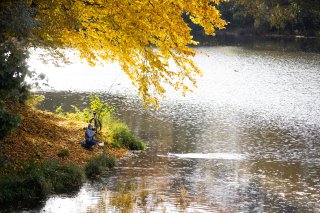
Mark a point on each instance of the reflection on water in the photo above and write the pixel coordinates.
(276, 167)
(282, 44)
(246, 141)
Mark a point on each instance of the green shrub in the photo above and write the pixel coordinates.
(77, 115)
(104, 110)
(61, 178)
(13, 69)
(63, 153)
(67, 178)
(34, 100)
(36, 181)
(121, 136)
(18, 188)
(98, 164)
(8, 121)
(59, 111)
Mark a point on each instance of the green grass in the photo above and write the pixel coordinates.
(63, 153)
(35, 181)
(122, 136)
(98, 164)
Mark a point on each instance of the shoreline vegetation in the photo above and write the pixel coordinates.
(239, 32)
(44, 156)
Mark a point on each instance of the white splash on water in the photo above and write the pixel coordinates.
(222, 156)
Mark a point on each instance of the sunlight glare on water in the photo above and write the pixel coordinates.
(247, 139)
(271, 83)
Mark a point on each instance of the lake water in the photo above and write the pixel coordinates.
(247, 140)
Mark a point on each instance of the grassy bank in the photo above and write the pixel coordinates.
(114, 132)
(44, 155)
(35, 181)
(32, 182)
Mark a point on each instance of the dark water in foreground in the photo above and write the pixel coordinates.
(247, 140)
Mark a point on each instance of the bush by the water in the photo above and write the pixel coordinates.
(35, 181)
(113, 130)
(98, 164)
(8, 122)
(122, 136)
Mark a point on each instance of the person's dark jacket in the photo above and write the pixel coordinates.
(89, 135)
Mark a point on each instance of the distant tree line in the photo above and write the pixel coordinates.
(261, 17)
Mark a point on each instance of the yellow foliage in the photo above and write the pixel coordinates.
(142, 35)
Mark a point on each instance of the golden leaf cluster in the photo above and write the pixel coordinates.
(144, 36)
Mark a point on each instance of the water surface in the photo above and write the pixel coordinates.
(247, 140)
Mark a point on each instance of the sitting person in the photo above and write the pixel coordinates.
(89, 137)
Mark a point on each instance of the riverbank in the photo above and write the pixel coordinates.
(46, 136)
(253, 33)
(44, 156)
(270, 42)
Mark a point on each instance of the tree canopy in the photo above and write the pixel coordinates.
(282, 16)
(143, 36)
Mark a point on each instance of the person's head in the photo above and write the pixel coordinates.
(90, 126)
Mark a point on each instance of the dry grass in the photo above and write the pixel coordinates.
(42, 135)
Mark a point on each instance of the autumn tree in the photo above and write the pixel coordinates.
(144, 36)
